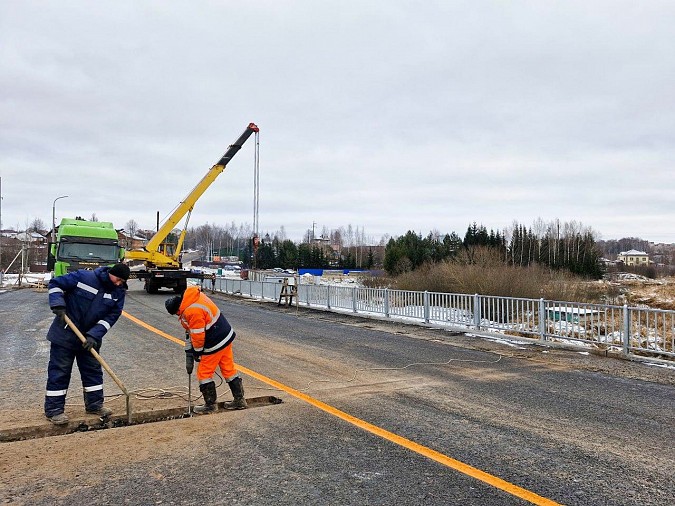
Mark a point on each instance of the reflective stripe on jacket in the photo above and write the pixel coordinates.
(209, 330)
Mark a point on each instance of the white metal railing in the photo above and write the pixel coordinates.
(630, 330)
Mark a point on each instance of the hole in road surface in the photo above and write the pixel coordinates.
(48, 429)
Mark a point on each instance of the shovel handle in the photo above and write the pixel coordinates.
(98, 357)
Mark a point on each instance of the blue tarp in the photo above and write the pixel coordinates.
(313, 272)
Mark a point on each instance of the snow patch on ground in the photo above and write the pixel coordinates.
(12, 280)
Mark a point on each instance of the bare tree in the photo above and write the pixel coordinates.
(131, 227)
(37, 225)
(539, 230)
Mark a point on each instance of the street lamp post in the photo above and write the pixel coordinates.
(54, 216)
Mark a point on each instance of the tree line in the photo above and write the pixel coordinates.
(342, 248)
(569, 246)
(556, 245)
(288, 255)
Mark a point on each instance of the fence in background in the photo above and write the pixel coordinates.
(631, 330)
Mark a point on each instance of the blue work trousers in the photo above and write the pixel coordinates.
(58, 378)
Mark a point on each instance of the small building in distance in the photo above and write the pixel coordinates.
(633, 257)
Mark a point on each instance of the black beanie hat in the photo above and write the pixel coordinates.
(120, 270)
(172, 304)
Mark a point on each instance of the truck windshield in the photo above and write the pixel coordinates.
(106, 253)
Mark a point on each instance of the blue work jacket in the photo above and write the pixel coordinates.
(92, 302)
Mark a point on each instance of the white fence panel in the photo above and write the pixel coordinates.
(628, 329)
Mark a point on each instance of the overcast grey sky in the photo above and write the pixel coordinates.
(386, 115)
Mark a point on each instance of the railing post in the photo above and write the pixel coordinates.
(542, 319)
(386, 302)
(626, 329)
(476, 311)
(328, 296)
(426, 307)
(354, 298)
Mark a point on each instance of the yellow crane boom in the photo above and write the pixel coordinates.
(161, 264)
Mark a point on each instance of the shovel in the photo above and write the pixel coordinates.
(105, 366)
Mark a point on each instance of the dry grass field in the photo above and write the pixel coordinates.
(534, 282)
(657, 294)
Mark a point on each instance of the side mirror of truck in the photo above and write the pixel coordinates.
(51, 260)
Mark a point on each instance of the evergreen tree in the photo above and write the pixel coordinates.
(265, 258)
(288, 255)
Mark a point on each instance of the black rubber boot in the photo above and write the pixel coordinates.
(208, 390)
(238, 393)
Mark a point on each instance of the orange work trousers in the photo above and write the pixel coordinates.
(208, 363)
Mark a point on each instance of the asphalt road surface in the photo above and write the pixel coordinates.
(373, 413)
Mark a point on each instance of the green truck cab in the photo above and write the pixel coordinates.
(83, 244)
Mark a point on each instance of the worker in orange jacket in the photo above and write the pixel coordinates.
(210, 342)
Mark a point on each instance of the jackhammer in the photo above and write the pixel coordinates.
(189, 366)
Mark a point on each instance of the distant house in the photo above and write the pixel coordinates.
(633, 257)
(130, 242)
(30, 237)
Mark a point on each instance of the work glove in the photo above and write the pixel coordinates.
(197, 355)
(90, 343)
(60, 311)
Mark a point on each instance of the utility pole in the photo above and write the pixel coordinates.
(256, 186)
(256, 200)
(22, 273)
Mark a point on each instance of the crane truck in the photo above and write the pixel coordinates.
(162, 264)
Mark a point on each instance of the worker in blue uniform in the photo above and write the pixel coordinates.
(93, 300)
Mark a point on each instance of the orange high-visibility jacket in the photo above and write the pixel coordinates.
(209, 330)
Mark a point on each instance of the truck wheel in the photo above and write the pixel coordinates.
(181, 287)
(150, 286)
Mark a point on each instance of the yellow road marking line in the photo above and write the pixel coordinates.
(153, 329)
(457, 465)
(406, 443)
